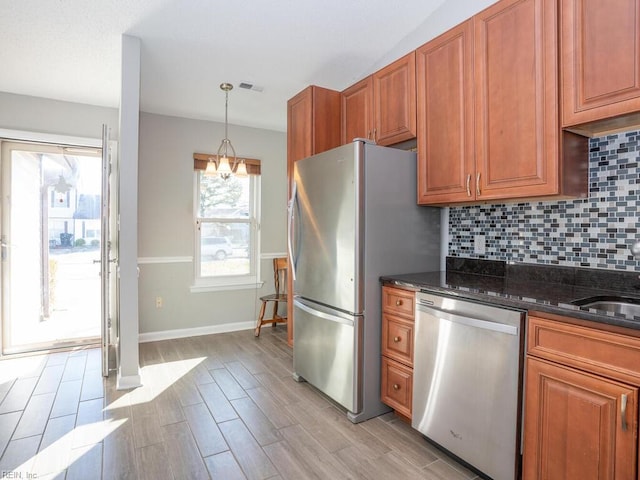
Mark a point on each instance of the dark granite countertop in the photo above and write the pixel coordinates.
(541, 288)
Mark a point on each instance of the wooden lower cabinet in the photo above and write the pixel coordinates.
(577, 424)
(397, 349)
(397, 386)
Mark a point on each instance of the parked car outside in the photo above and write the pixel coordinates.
(217, 248)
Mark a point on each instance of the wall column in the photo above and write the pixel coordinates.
(129, 366)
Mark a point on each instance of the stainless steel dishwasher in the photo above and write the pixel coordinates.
(467, 381)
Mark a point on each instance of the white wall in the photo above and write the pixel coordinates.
(165, 223)
(450, 14)
(165, 203)
(128, 325)
(42, 115)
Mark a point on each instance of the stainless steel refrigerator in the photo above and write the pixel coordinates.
(352, 218)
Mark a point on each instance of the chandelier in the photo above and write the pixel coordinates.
(223, 164)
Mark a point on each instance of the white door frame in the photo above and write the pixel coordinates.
(73, 141)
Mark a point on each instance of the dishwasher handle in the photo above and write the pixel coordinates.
(469, 321)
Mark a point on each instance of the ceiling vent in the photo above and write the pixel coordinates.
(251, 86)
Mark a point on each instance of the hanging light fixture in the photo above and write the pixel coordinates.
(241, 170)
(222, 164)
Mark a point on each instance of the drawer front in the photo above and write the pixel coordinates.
(398, 301)
(397, 338)
(610, 354)
(397, 386)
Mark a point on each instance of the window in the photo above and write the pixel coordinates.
(226, 231)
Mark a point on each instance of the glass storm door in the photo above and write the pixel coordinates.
(52, 246)
(108, 257)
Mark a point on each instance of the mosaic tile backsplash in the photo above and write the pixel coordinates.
(594, 232)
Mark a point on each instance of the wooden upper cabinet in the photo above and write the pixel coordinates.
(600, 63)
(394, 101)
(446, 164)
(313, 122)
(516, 95)
(488, 126)
(382, 107)
(357, 111)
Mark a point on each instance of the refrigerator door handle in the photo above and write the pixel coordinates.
(292, 201)
(323, 315)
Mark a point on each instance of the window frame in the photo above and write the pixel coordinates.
(228, 282)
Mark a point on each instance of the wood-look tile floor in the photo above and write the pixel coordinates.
(218, 406)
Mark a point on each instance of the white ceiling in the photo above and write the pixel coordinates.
(70, 50)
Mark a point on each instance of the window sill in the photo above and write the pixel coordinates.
(211, 286)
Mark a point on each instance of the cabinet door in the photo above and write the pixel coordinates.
(517, 126)
(394, 98)
(576, 425)
(313, 122)
(357, 111)
(300, 125)
(600, 44)
(397, 386)
(446, 165)
(397, 339)
(398, 302)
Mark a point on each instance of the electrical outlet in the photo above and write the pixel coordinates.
(479, 245)
(158, 302)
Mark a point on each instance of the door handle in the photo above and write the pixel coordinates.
(111, 260)
(478, 184)
(623, 411)
(3, 247)
(294, 194)
(468, 186)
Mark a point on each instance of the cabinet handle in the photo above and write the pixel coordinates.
(374, 134)
(398, 302)
(369, 135)
(396, 339)
(623, 411)
(396, 386)
(468, 187)
(478, 184)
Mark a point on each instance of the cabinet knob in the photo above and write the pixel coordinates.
(396, 386)
(398, 302)
(396, 339)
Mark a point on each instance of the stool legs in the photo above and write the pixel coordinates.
(260, 318)
(275, 318)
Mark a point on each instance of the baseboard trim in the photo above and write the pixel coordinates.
(127, 382)
(194, 332)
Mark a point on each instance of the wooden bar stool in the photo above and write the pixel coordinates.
(280, 283)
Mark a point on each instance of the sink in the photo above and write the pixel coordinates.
(622, 305)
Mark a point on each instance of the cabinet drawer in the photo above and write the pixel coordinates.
(397, 386)
(397, 338)
(610, 354)
(398, 301)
